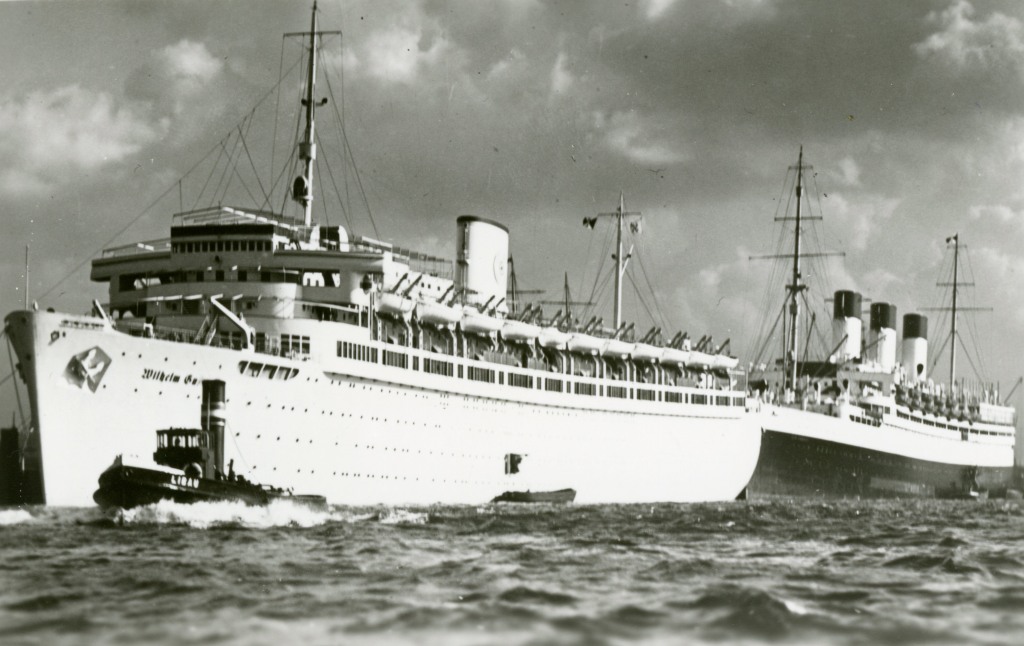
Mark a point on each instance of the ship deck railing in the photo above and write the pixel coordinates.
(162, 245)
(227, 215)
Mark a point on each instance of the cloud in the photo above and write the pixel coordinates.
(626, 133)
(561, 78)
(968, 45)
(398, 54)
(848, 173)
(48, 135)
(655, 8)
(857, 220)
(174, 75)
(999, 213)
(1004, 270)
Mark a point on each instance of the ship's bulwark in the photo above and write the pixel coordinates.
(361, 438)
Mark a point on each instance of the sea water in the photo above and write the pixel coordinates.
(894, 572)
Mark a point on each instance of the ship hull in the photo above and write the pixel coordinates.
(361, 433)
(804, 454)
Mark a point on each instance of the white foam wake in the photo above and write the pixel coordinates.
(279, 513)
(14, 516)
(201, 515)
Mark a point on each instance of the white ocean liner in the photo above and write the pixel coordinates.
(862, 424)
(368, 373)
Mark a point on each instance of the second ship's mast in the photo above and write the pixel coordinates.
(795, 287)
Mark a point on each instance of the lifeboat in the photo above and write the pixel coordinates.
(519, 331)
(617, 349)
(585, 344)
(476, 322)
(724, 362)
(700, 359)
(647, 352)
(552, 337)
(437, 314)
(395, 304)
(674, 355)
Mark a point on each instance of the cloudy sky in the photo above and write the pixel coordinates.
(537, 114)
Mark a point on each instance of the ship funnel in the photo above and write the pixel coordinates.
(481, 267)
(213, 421)
(882, 335)
(915, 347)
(846, 326)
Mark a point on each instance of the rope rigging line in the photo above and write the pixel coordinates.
(597, 276)
(277, 107)
(347, 150)
(640, 298)
(662, 318)
(253, 166)
(344, 211)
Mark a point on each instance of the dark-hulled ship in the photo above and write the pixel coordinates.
(188, 468)
(860, 424)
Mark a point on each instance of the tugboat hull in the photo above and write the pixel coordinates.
(128, 486)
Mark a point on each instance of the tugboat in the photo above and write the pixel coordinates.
(189, 468)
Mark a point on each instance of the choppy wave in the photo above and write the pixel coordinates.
(792, 573)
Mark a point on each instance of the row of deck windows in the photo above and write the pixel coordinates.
(298, 344)
(214, 246)
(950, 427)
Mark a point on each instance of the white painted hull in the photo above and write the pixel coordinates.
(367, 433)
(895, 436)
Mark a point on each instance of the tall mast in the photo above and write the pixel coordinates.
(26, 276)
(795, 287)
(952, 335)
(618, 262)
(307, 149)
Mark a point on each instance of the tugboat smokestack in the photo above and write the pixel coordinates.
(213, 425)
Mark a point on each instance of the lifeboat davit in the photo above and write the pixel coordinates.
(519, 331)
(436, 313)
(552, 337)
(476, 322)
(647, 352)
(395, 304)
(618, 349)
(585, 344)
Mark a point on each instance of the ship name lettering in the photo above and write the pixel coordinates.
(184, 481)
(160, 375)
